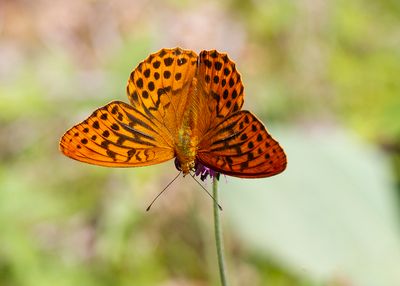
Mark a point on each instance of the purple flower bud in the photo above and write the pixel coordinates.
(204, 172)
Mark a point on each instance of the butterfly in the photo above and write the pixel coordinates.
(183, 106)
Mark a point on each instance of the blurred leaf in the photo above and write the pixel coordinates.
(331, 215)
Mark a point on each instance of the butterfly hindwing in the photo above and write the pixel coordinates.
(117, 135)
(241, 146)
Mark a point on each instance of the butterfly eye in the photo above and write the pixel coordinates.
(177, 164)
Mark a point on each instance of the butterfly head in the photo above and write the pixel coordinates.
(198, 169)
(185, 167)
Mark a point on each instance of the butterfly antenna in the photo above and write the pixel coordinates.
(166, 187)
(194, 178)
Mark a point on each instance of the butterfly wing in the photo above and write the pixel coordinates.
(159, 86)
(220, 88)
(117, 135)
(240, 146)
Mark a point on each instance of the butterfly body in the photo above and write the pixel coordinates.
(181, 105)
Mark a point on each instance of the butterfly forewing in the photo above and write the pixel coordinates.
(160, 84)
(241, 146)
(221, 84)
(117, 135)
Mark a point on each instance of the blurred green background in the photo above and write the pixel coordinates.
(323, 76)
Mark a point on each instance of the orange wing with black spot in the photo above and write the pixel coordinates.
(159, 86)
(220, 89)
(233, 142)
(117, 135)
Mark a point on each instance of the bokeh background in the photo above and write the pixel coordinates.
(322, 75)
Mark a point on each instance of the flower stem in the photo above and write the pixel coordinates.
(218, 235)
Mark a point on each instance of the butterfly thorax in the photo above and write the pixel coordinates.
(187, 138)
(186, 150)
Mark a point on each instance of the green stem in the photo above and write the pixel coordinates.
(218, 235)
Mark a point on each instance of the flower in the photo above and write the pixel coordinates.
(204, 171)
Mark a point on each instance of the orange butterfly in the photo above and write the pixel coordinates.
(181, 105)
